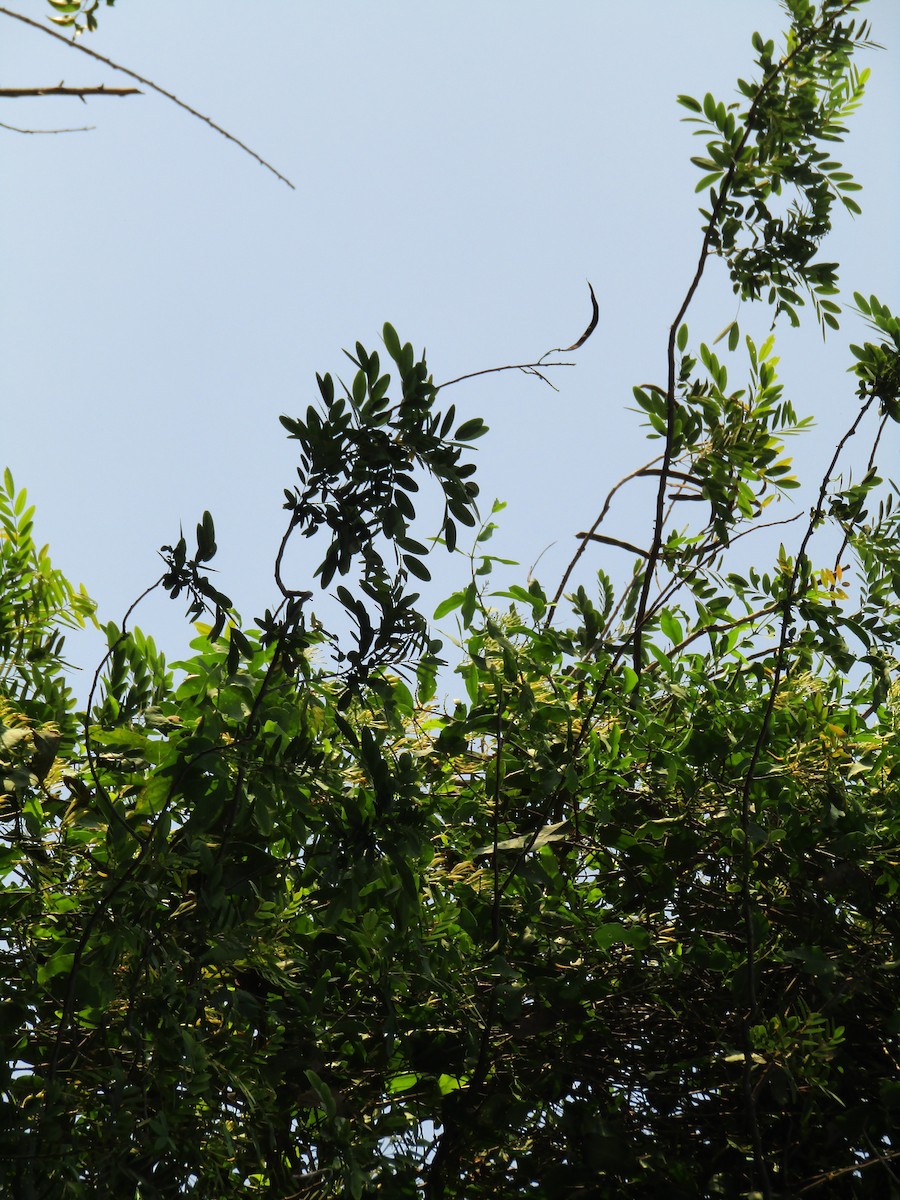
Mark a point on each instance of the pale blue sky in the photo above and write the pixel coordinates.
(461, 170)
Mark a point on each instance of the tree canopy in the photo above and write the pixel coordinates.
(623, 920)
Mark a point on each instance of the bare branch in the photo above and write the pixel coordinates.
(585, 538)
(75, 129)
(59, 90)
(147, 83)
(534, 368)
(611, 541)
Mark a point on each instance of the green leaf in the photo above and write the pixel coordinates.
(402, 1083)
(359, 388)
(448, 605)
(671, 626)
(239, 639)
(392, 342)
(59, 963)
(708, 181)
(469, 430)
(426, 678)
(448, 1084)
(416, 567)
(662, 658)
(469, 602)
(326, 387)
(529, 842)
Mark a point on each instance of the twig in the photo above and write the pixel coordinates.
(59, 90)
(869, 466)
(611, 541)
(76, 129)
(721, 627)
(586, 537)
(535, 368)
(682, 475)
(147, 83)
(528, 368)
(851, 1169)
(288, 593)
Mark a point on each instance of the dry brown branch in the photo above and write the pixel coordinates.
(59, 90)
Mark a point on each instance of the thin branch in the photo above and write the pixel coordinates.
(288, 593)
(147, 83)
(535, 368)
(682, 475)
(851, 1169)
(59, 90)
(611, 541)
(721, 627)
(706, 552)
(76, 129)
(882, 1158)
(659, 520)
(587, 537)
(869, 467)
(529, 369)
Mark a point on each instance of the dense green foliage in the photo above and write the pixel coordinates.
(622, 922)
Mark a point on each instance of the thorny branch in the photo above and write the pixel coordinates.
(60, 90)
